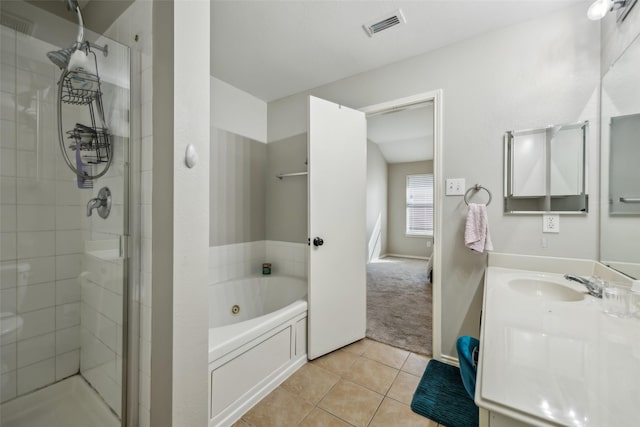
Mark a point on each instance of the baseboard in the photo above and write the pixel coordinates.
(405, 256)
(449, 360)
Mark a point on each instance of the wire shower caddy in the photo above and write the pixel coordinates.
(92, 143)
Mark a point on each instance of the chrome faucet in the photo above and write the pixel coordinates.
(102, 203)
(94, 203)
(594, 286)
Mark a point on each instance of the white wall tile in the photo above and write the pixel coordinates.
(35, 376)
(9, 323)
(7, 161)
(38, 323)
(36, 297)
(8, 358)
(68, 266)
(8, 246)
(67, 315)
(69, 242)
(8, 191)
(70, 218)
(8, 219)
(68, 194)
(8, 300)
(94, 353)
(67, 291)
(33, 244)
(37, 270)
(67, 364)
(8, 274)
(111, 306)
(9, 386)
(35, 192)
(36, 349)
(67, 339)
(7, 134)
(36, 218)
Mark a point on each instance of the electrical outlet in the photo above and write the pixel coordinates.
(550, 223)
(455, 187)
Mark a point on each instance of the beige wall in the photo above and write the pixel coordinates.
(399, 242)
(512, 78)
(286, 201)
(377, 192)
(237, 203)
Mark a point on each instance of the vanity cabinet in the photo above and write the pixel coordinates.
(543, 344)
(494, 419)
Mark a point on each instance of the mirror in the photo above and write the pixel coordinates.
(545, 170)
(620, 164)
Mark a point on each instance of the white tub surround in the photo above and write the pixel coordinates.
(546, 361)
(253, 351)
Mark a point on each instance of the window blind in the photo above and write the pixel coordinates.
(419, 205)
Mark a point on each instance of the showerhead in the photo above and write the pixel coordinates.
(72, 5)
(61, 57)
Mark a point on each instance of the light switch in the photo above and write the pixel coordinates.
(455, 187)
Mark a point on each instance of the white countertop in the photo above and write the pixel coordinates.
(553, 362)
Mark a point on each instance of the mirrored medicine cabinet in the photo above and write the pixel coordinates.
(619, 164)
(545, 170)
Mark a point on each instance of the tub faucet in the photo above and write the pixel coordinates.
(594, 286)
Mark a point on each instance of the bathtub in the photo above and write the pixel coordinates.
(257, 338)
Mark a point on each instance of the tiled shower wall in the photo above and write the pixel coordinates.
(41, 224)
(245, 259)
(69, 300)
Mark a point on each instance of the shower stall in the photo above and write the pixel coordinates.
(64, 221)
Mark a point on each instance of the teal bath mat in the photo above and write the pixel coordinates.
(441, 397)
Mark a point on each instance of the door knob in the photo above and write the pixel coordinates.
(318, 241)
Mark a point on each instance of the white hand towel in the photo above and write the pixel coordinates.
(476, 232)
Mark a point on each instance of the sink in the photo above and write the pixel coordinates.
(545, 290)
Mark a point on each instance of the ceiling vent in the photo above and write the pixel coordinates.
(16, 23)
(384, 23)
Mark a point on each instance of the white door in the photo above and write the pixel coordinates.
(337, 211)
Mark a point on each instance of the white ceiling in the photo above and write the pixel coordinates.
(403, 136)
(273, 49)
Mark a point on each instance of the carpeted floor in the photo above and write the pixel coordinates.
(399, 300)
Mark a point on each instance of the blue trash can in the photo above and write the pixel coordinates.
(468, 348)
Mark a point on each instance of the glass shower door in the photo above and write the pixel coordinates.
(63, 260)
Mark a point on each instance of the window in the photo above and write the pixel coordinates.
(419, 205)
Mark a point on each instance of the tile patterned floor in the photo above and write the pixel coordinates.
(364, 384)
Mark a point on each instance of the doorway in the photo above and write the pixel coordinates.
(403, 142)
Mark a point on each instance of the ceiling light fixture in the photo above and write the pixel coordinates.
(600, 8)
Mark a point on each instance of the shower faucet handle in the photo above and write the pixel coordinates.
(102, 203)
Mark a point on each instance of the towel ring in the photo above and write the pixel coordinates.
(477, 187)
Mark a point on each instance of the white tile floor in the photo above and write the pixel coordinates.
(68, 403)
